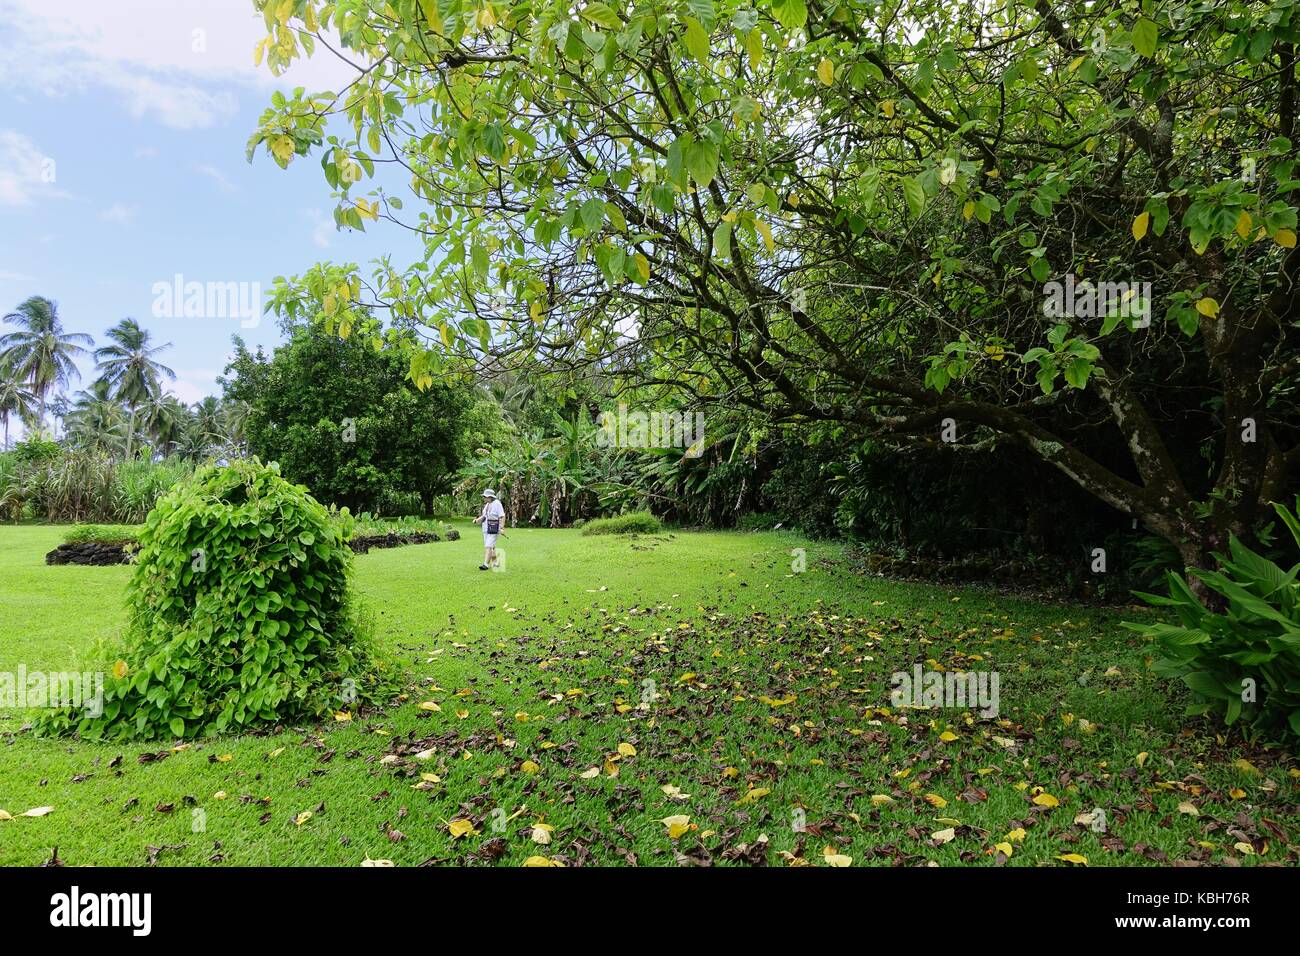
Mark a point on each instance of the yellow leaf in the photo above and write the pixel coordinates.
(1245, 766)
(1003, 848)
(225, 758)
(947, 736)
(831, 857)
(1243, 847)
(1188, 808)
(38, 811)
(461, 828)
(936, 801)
(1207, 307)
(944, 836)
(529, 767)
(369, 862)
(677, 825)
(219, 795)
(642, 267)
(766, 232)
(887, 107)
(1046, 800)
(881, 799)
(120, 669)
(430, 778)
(1140, 225)
(627, 750)
(541, 861)
(6, 815)
(1075, 858)
(753, 795)
(542, 834)
(1284, 238)
(1237, 793)
(276, 752)
(1018, 834)
(1243, 224)
(826, 71)
(590, 773)
(1142, 759)
(302, 818)
(431, 706)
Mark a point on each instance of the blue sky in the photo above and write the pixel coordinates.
(138, 110)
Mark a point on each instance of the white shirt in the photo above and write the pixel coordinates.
(492, 510)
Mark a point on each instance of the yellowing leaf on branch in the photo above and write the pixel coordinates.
(1284, 238)
(826, 71)
(1207, 307)
(1140, 225)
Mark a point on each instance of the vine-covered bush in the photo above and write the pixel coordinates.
(239, 613)
(1242, 662)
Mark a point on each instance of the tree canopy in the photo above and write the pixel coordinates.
(849, 210)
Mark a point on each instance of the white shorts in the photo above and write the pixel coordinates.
(489, 540)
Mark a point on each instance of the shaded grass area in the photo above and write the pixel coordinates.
(601, 685)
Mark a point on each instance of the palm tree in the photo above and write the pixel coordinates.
(96, 419)
(15, 397)
(40, 351)
(129, 367)
(168, 421)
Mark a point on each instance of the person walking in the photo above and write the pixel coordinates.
(493, 519)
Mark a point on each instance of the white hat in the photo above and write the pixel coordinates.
(489, 493)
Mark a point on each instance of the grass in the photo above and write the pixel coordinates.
(691, 661)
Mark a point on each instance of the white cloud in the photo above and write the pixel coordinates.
(217, 176)
(180, 62)
(26, 174)
(193, 384)
(119, 213)
(323, 228)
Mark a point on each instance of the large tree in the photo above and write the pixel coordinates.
(901, 216)
(341, 418)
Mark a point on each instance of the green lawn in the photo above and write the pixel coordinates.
(770, 716)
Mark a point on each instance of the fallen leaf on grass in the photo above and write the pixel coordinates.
(834, 858)
(541, 861)
(677, 825)
(461, 828)
(1045, 799)
(1075, 858)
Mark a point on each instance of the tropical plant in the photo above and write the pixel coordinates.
(41, 353)
(96, 419)
(1242, 660)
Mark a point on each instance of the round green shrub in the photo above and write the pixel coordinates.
(239, 613)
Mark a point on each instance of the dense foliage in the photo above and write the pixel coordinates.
(240, 613)
(51, 481)
(343, 419)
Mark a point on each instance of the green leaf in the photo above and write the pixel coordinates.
(1145, 35)
(791, 14)
(697, 40)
